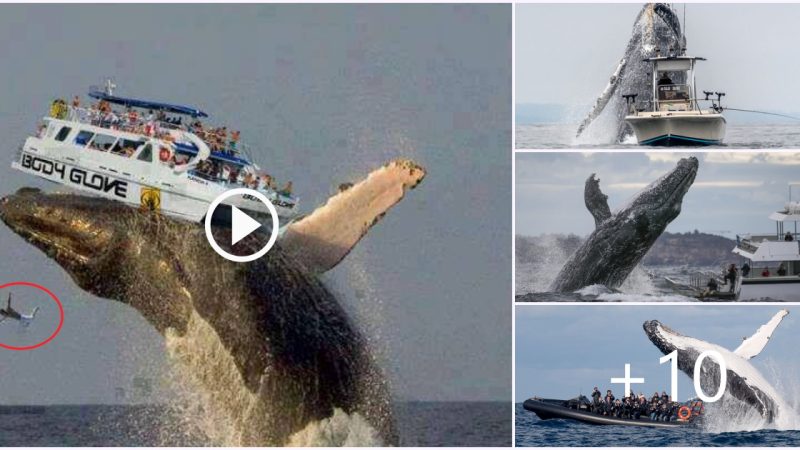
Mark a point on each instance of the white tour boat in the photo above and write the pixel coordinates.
(774, 259)
(674, 117)
(148, 154)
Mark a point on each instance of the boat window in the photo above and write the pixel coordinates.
(63, 133)
(673, 92)
(83, 138)
(103, 142)
(126, 147)
(147, 153)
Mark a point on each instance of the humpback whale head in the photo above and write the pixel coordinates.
(80, 233)
(620, 240)
(268, 344)
(658, 204)
(656, 29)
(744, 381)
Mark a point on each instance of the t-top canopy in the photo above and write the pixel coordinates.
(136, 103)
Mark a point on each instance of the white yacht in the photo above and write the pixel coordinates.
(774, 259)
(148, 154)
(674, 117)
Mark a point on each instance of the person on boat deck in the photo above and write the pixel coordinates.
(234, 140)
(746, 270)
(76, 102)
(711, 286)
(781, 270)
(664, 80)
(596, 395)
(765, 273)
(609, 398)
(732, 277)
(287, 191)
(788, 237)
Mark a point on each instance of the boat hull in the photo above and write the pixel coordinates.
(120, 185)
(785, 289)
(674, 129)
(549, 410)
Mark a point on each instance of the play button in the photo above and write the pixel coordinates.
(242, 225)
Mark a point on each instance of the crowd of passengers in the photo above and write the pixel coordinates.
(154, 123)
(158, 124)
(657, 408)
(220, 171)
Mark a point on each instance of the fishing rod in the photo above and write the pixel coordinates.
(762, 112)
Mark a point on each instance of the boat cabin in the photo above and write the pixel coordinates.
(775, 255)
(673, 83)
(167, 135)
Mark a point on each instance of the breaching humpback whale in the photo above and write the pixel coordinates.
(265, 341)
(656, 29)
(744, 382)
(620, 240)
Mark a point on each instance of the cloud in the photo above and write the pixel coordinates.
(779, 158)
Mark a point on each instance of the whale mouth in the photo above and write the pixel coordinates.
(38, 218)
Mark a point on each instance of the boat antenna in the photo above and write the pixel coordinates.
(763, 112)
(683, 28)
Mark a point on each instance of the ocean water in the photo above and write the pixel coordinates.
(560, 135)
(530, 431)
(427, 424)
(645, 283)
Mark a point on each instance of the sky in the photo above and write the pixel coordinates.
(562, 351)
(733, 193)
(327, 94)
(565, 53)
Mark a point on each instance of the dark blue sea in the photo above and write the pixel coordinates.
(532, 432)
(423, 424)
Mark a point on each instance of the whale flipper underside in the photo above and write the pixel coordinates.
(753, 345)
(323, 238)
(656, 29)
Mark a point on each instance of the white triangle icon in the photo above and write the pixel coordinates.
(241, 225)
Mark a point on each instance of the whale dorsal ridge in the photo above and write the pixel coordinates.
(753, 345)
(323, 238)
(596, 201)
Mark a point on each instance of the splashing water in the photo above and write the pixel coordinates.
(535, 275)
(339, 430)
(732, 415)
(198, 360)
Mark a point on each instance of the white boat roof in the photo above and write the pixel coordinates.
(784, 217)
(770, 251)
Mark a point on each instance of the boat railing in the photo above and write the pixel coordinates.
(272, 194)
(132, 122)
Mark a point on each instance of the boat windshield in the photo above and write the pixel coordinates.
(674, 93)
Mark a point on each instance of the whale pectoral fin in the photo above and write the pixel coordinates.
(327, 235)
(753, 345)
(596, 201)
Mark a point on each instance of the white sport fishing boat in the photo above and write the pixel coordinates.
(674, 117)
(774, 259)
(148, 154)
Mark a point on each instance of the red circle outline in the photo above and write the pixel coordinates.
(60, 312)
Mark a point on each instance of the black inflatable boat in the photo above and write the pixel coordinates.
(578, 409)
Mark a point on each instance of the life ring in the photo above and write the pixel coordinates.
(684, 413)
(164, 154)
